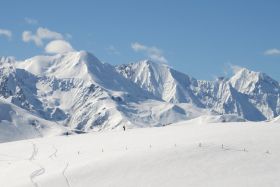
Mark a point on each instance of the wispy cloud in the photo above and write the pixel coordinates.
(41, 35)
(6, 33)
(230, 69)
(272, 52)
(58, 47)
(113, 50)
(31, 21)
(235, 68)
(153, 52)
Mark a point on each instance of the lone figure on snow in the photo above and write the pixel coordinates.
(124, 128)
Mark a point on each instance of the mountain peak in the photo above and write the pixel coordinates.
(77, 64)
(85, 55)
(247, 81)
(149, 62)
(244, 72)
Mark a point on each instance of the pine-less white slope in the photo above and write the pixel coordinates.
(161, 80)
(80, 65)
(232, 154)
(18, 124)
(276, 120)
(261, 90)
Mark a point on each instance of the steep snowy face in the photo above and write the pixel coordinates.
(250, 82)
(219, 97)
(79, 65)
(17, 123)
(161, 80)
(223, 98)
(18, 86)
(251, 95)
(261, 90)
(68, 65)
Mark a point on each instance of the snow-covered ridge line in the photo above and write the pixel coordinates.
(78, 92)
(252, 95)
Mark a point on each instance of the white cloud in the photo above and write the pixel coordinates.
(58, 47)
(31, 21)
(6, 33)
(235, 68)
(138, 47)
(271, 52)
(113, 50)
(41, 35)
(153, 53)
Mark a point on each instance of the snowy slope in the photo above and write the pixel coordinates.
(161, 80)
(261, 90)
(223, 98)
(185, 154)
(275, 120)
(18, 124)
(216, 119)
(251, 95)
(79, 65)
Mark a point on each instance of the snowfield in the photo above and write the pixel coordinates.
(181, 154)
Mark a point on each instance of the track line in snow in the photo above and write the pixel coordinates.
(35, 174)
(53, 155)
(63, 173)
(34, 152)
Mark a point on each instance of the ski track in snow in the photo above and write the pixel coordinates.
(53, 155)
(63, 173)
(39, 171)
(49, 150)
(35, 174)
(34, 152)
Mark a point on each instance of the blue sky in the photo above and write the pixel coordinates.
(198, 37)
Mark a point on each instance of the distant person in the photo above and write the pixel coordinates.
(124, 128)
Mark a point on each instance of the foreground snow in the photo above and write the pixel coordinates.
(184, 154)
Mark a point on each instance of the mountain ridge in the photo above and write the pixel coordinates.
(77, 91)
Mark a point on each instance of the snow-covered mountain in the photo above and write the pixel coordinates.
(161, 80)
(78, 92)
(251, 95)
